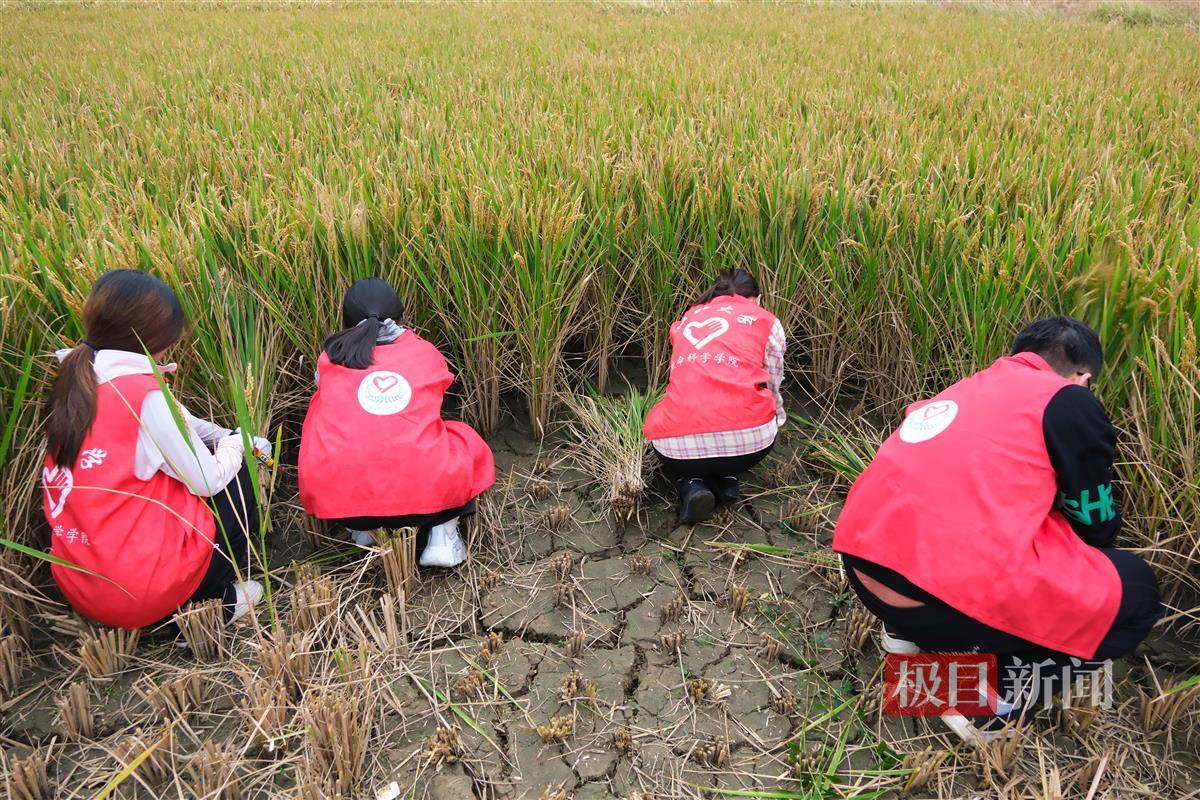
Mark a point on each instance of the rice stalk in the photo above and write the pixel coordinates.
(203, 627)
(400, 562)
(12, 657)
(212, 773)
(314, 602)
(75, 712)
(27, 778)
(338, 729)
(608, 432)
(105, 652)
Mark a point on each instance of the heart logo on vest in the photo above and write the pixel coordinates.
(384, 383)
(936, 409)
(702, 332)
(928, 421)
(57, 483)
(383, 393)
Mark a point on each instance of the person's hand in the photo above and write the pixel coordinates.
(231, 442)
(263, 446)
(780, 418)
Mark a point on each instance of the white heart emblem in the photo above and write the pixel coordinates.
(715, 326)
(383, 393)
(57, 483)
(935, 410)
(928, 421)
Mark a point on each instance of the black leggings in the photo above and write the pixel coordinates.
(422, 522)
(236, 511)
(684, 469)
(936, 627)
(406, 520)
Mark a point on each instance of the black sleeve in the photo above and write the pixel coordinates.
(1081, 441)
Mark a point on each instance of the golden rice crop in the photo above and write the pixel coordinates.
(909, 183)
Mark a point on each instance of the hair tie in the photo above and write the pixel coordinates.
(373, 316)
(91, 345)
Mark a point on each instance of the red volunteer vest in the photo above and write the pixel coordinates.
(374, 442)
(718, 381)
(959, 501)
(152, 539)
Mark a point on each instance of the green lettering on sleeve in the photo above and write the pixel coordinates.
(1082, 509)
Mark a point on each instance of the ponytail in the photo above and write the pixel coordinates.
(354, 347)
(71, 408)
(367, 302)
(730, 282)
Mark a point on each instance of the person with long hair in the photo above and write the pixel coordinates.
(375, 452)
(723, 408)
(149, 515)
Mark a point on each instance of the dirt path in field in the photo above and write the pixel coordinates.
(582, 656)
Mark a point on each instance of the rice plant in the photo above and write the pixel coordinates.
(611, 447)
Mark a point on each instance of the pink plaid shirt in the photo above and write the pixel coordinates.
(747, 440)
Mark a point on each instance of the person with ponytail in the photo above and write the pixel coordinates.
(149, 516)
(375, 452)
(723, 407)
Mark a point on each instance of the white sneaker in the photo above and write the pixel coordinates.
(249, 594)
(891, 643)
(362, 538)
(445, 548)
(972, 734)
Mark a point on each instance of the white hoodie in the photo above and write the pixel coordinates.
(161, 447)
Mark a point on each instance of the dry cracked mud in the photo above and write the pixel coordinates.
(577, 652)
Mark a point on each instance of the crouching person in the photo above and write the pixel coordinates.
(722, 409)
(986, 522)
(375, 452)
(154, 515)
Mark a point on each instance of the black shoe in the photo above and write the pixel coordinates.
(696, 502)
(727, 489)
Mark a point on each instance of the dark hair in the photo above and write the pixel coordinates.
(1068, 345)
(730, 282)
(126, 310)
(367, 302)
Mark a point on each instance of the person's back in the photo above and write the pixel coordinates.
(375, 443)
(148, 507)
(722, 407)
(985, 524)
(375, 452)
(964, 492)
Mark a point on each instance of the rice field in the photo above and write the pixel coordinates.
(547, 186)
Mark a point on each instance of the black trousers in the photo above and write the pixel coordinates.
(938, 628)
(684, 469)
(236, 511)
(422, 522)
